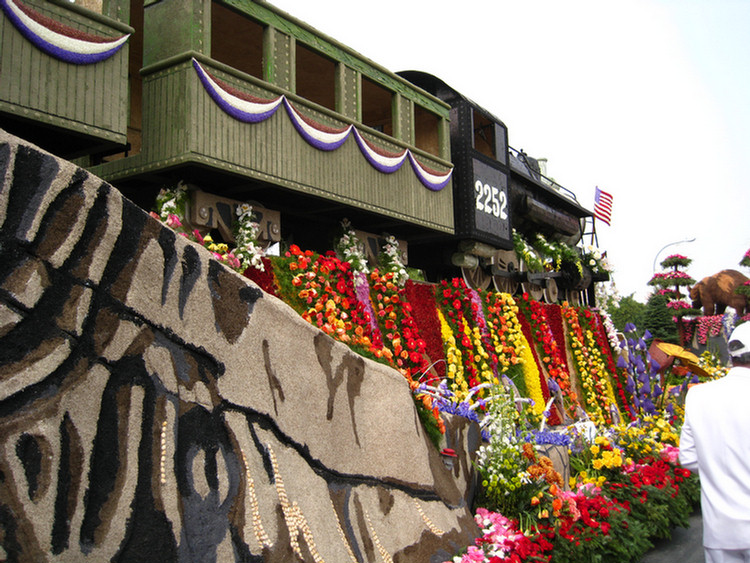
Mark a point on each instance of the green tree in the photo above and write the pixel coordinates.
(658, 319)
(628, 310)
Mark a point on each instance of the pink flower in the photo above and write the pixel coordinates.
(670, 454)
(474, 554)
(173, 221)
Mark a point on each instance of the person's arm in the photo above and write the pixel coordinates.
(688, 454)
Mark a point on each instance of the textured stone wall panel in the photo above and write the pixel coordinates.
(155, 405)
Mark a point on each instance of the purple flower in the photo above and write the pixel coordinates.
(622, 362)
(630, 386)
(553, 386)
(648, 406)
(629, 327)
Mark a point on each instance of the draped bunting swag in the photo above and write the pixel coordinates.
(58, 40)
(250, 109)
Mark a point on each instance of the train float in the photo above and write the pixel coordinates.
(244, 103)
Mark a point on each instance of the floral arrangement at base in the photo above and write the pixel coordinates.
(502, 542)
(171, 206)
(497, 352)
(513, 477)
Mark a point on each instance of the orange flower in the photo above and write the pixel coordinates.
(557, 504)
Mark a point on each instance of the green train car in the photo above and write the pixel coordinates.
(246, 103)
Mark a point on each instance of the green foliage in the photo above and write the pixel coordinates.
(658, 319)
(627, 311)
(429, 423)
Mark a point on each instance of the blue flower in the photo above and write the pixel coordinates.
(622, 362)
(629, 327)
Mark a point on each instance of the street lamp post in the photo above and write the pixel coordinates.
(667, 246)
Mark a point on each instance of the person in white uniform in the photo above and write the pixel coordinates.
(715, 444)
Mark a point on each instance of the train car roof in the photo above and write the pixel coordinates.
(520, 163)
(438, 88)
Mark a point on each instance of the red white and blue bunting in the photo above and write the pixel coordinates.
(250, 109)
(58, 40)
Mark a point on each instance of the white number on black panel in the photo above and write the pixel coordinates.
(491, 200)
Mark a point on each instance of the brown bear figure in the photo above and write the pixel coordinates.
(715, 293)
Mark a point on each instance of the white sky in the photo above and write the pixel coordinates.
(649, 100)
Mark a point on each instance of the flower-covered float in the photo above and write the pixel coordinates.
(541, 380)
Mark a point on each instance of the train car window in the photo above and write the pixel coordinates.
(377, 110)
(484, 135)
(426, 133)
(316, 77)
(236, 40)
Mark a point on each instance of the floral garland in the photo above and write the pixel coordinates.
(526, 252)
(454, 301)
(745, 261)
(540, 367)
(425, 313)
(553, 313)
(501, 314)
(532, 376)
(551, 359)
(557, 253)
(397, 325)
(602, 343)
(454, 360)
(362, 291)
(597, 392)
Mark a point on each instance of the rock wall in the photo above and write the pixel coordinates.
(156, 405)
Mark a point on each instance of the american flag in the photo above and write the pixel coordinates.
(603, 206)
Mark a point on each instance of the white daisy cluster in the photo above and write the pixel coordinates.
(248, 251)
(351, 249)
(390, 260)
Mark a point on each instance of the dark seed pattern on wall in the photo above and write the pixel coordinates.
(155, 405)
